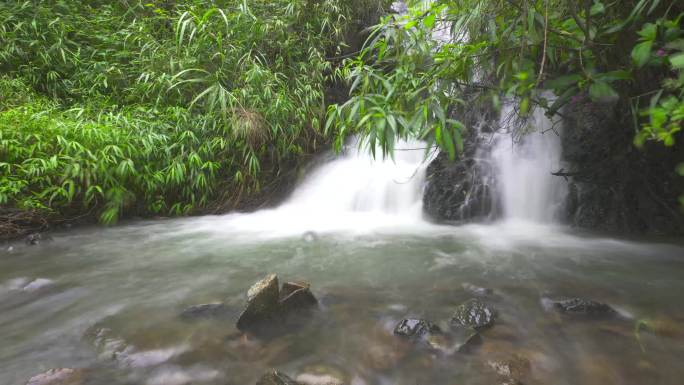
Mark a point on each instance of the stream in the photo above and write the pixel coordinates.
(108, 299)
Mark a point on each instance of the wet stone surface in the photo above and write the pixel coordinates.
(415, 328)
(473, 313)
(580, 306)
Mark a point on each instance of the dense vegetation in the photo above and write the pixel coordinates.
(159, 107)
(418, 66)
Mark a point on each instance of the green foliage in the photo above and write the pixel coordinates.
(153, 107)
(665, 113)
(418, 66)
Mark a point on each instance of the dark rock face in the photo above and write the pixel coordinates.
(415, 328)
(583, 307)
(474, 314)
(267, 304)
(463, 189)
(275, 377)
(207, 310)
(613, 185)
(62, 376)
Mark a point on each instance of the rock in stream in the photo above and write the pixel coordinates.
(268, 304)
(474, 314)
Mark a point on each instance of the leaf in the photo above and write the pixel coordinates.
(649, 32)
(677, 61)
(563, 82)
(642, 53)
(603, 93)
(429, 20)
(613, 76)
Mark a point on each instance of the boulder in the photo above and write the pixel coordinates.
(296, 296)
(268, 304)
(61, 376)
(582, 306)
(262, 303)
(275, 377)
(415, 328)
(203, 311)
(474, 314)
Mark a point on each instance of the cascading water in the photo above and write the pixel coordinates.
(526, 188)
(353, 192)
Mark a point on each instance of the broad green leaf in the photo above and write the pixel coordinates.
(642, 53)
(677, 61)
(603, 93)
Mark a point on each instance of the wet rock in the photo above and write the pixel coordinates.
(36, 238)
(275, 377)
(582, 306)
(457, 339)
(38, 284)
(62, 376)
(415, 328)
(384, 351)
(267, 304)
(203, 311)
(321, 375)
(262, 303)
(513, 370)
(296, 296)
(473, 313)
(476, 290)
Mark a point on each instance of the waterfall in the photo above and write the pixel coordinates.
(351, 193)
(356, 182)
(526, 188)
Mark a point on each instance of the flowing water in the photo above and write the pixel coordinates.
(108, 299)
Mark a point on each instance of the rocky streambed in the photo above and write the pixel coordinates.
(450, 308)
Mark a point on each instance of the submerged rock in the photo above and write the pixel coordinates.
(266, 303)
(582, 306)
(61, 376)
(473, 313)
(458, 339)
(476, 290)
(36, 239)
(415, 328)
(321, 375)
(206, 310)
(275, 377)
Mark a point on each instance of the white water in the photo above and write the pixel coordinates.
(526, 188)
(352, 193)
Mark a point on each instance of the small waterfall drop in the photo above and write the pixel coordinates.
(526, 188)
(351, 193)
(356, 182)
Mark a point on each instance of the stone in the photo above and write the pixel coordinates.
(295, 296)
(275, 377)
(36, 239)
(458, 339)
(476, 290)
(580, 306)
(321, 375)
(61, 376)
(515, 368)
(473, 313)
(415, 328)
(262, 303)
(203, 311)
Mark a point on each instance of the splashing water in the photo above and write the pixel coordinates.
(526, 187)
